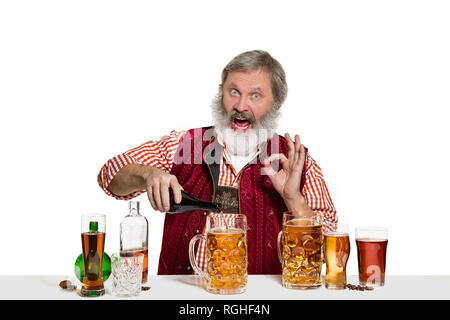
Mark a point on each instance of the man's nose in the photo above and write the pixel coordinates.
(242, 105)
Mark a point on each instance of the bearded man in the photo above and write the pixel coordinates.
(240, 162)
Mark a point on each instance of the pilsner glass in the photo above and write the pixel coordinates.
(371, 245)
(226, 253)
(337, 251)
(301, 255)
(93, 242)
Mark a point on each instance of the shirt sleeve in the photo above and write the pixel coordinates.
(159, 154)
(317, 195)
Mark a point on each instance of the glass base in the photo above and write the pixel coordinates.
(226, 291)
(92, 293)
(333, 287)
(300, 286)
(373, 285)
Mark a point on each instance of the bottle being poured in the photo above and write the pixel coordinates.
(190, 203)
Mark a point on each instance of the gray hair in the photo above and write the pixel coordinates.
(253, 60)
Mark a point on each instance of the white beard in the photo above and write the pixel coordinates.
(243, 143)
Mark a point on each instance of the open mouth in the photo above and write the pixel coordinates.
(241, 124)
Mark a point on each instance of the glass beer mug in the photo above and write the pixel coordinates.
(226, 253)
(300, 251)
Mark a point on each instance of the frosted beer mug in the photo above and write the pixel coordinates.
(371, 243)
(300, 242)
(226, 253)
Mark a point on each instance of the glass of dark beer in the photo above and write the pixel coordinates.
(93, 242)
(371, 243)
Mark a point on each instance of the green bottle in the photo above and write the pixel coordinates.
(79, 263)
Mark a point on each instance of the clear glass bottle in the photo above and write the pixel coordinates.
(134, 236)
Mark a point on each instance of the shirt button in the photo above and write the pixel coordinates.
(188, 268)
(204, 213)
(197, 231)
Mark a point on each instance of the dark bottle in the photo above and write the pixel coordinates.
(191, 203)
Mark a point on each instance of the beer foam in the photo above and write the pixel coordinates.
(371, 240)
(230, 230)
(337, 234)
(303, 222)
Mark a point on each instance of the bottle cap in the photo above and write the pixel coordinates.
(133, 205)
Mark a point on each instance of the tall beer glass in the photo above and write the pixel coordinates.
(300, 251)
(337, 251)
(371, 245)
(226, 253)
(93, 227)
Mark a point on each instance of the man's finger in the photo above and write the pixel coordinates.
(267, 170)
(150, 198)
(297, 148)
(290, 146)
(301, 160)
(277, 156)
(165, 194)
(176, 189)
(157, 197)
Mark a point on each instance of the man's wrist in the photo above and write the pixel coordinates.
(295, 202)
(299, 206)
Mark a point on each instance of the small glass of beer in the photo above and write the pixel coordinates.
(93, 228)
(300, 251)
(226, 253)
(337, 251)
(371, 243)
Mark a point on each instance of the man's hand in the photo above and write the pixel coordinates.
(157, 185)
(287, 181)
(156, 182)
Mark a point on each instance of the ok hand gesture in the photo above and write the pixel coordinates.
(287, 180)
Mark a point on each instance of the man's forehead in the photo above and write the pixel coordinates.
(255, 79)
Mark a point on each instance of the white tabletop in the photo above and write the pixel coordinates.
(259, 287)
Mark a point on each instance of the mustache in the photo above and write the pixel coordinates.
(242, 115)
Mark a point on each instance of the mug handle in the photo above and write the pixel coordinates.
(278, 245)
(192, 259)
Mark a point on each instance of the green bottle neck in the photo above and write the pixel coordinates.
(93, 226)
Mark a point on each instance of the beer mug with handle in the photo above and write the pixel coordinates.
(225, 243)
(300, 251)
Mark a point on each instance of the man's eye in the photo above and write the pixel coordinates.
(256, 96)
(234, 92)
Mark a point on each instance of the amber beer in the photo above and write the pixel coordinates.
(226, 253)
(371, 246)
(226, 259)
(337, 251)
(93, 243)
(301, 255)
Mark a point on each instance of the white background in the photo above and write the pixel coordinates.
(81, 81)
